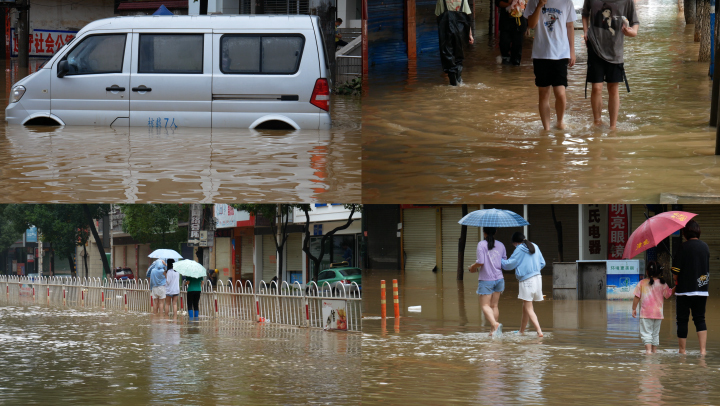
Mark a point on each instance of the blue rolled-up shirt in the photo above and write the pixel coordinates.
(156, 278)
(525, 264)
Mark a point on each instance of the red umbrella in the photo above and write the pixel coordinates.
(654, 230)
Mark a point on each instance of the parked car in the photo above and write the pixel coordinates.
(338, 276)
(123, 274)
(183, 71)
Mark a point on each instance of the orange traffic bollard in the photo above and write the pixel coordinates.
(383, 312)
(396, 301)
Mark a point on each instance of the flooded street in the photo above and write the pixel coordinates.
(591, 352)
(424, 141)
(144, 165)
(93, 357)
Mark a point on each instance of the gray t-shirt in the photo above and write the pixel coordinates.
(605, 26)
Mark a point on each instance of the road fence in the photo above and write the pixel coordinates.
(316, 306)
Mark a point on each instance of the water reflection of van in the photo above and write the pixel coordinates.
(183, 71)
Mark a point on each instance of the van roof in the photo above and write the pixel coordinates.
(219, 22)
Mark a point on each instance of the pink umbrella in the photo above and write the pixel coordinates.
(654, 230)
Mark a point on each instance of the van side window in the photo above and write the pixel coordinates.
(261, 54)
(170, 53)
(97, 54)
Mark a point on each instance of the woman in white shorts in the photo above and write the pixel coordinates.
(527, 260)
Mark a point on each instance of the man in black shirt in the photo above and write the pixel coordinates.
(691, 272)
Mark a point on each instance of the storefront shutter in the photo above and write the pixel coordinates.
(247, 257)
(294, 252)
(269, 252)
(419, 240)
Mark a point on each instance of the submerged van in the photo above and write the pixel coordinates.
(183, 71)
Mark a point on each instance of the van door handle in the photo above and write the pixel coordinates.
(141, 89)
(115, 88)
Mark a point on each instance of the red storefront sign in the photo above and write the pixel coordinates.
(618, 228)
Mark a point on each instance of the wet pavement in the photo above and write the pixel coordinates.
(153, 165)
(591, 352)
(92, 357)
(484, 140)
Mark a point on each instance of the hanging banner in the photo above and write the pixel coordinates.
(618, 228)
(195, 223)
(44, 42)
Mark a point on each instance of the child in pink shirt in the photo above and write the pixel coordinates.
(650, 293)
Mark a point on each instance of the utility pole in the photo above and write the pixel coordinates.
(40, 255)
(23, 33)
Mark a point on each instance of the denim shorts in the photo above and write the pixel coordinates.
(490, 287)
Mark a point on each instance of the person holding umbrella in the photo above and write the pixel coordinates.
(193, 273)
(527, 261)
(691, 272)
(491, 282)
(490, 254)
(172, 287)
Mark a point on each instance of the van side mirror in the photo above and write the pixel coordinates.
(62, 68)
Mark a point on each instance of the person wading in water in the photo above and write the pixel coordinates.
(453, 18)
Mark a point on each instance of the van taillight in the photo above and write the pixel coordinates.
(321, 95)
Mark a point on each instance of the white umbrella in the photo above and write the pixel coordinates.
(165, 254)
(190, 268)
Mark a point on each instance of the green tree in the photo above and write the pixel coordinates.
(8, 233)
(156, 224)
(316, 261)
(66, 226)
(278, 215)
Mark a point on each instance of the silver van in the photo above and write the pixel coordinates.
(183, 71)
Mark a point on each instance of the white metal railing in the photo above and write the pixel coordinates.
(294, 305)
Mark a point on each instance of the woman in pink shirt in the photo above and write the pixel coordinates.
(491, 283)
(650, 293)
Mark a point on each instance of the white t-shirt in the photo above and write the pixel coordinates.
(173, 282)
(551, 40)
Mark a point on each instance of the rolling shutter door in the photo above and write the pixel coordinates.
(222, 257)
(247, 268)
(385, 32)
(451, 236)
(542, 232)
(294, 252)
(419, 240)
(269, 268)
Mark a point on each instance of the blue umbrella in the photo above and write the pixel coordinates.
(493, 218)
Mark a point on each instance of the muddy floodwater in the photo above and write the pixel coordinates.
(425, 141)
(591, 352)
(55, 356)
(143, 165)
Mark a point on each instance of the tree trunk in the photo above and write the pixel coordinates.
(461, 246)
(689, 12)
(681, 6)
(704, 55)
(98, 241)
(698, 22)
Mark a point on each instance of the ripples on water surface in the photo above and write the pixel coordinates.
(591, 352)
(424, 141)
(140, 165)
(54, 356)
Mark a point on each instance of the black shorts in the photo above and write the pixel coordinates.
(600, 70)
(550, 72)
